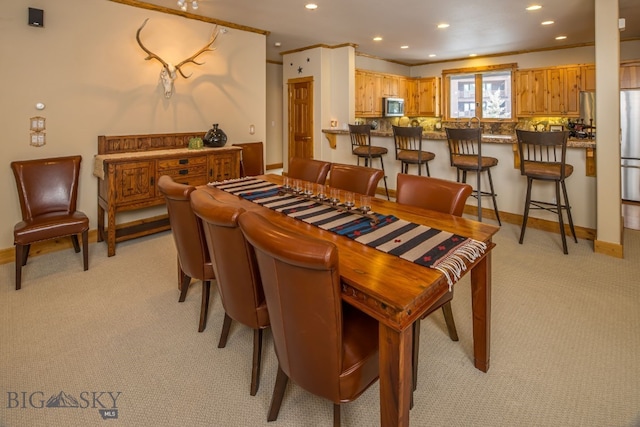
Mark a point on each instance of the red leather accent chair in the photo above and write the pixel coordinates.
(48, 192)
(308, 170)
(323, 345)
(357, 179)
(442, 196)
(188, 234)
(237, 275)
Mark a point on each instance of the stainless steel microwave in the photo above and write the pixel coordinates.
(393, 107)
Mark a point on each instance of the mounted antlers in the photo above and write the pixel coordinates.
(168, 72)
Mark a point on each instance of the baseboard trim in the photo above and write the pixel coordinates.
(608, 248)
(48, 246)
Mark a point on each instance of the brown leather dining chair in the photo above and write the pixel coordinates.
(465, 154)
(322, 344)
(252, 160)
(308, 170)
(357, 179)
(48, 193)
(543, 157)
(442, 196)
(409, 149)
(361, 147)
(194, 261)
(236, 270)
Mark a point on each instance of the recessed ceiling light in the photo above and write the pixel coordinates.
(443, 25)
(561, 37)
(432, 55)
(377, 39)
(473, 54)
(534, 7)
(311, 6)
(404, 47)
(547, 22)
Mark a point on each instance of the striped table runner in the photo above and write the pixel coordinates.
(417, 243)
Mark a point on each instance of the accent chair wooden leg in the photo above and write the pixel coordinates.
(560, 220)
(19, 258)
(204, 307)
(257, 357)
(226, 326)
(278, 393)
(76, 244)
(85, 249)
(336, 415)
(25, 254)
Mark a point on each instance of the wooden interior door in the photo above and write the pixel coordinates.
(301, 118)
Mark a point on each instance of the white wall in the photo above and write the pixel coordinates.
(86, 66)
(273, 144)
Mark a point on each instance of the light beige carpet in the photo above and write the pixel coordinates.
(565, 346)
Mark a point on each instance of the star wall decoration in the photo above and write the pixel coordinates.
(300, 69)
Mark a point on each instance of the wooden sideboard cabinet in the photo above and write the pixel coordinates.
(128, 168)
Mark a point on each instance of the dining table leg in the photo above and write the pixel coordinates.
(395, 375)
(481, 306)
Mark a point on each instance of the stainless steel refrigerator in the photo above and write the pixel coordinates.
(630, 148)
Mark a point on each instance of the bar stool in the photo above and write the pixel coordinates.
(362, 148)
(465, 154)
(543, 157)
(409, 151)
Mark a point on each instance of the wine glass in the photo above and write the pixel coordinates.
(349, 199)
(308, 189)
(365, 203)
(297, 186)
(334, 196)
(287, 184)
(321, 192)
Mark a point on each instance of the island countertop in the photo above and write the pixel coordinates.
(493, 138)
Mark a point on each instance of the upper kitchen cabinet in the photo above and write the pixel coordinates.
(368, 94)
(552, 91)
(429, 96)
(411, 97)
(422, 96)
(531, 92)
(630, 76)
(390, 86)
(588, 78)
(564, 91)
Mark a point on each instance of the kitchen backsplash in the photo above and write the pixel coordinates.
(431, 124)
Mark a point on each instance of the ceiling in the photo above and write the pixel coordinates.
(476, 27)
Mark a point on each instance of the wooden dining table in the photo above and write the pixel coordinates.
(397, 292)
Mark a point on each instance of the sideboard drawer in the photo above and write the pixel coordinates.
(182, 162)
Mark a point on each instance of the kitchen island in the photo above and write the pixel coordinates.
(510, 186)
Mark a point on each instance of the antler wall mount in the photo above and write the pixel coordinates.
(169, 71)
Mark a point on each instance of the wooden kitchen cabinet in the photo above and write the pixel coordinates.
(368, 94)
(390, 86)
(128, 168)
(429, 96)
(563, 91)
(588, 78)
(411, 98)
(630, 76)
(531, 92)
